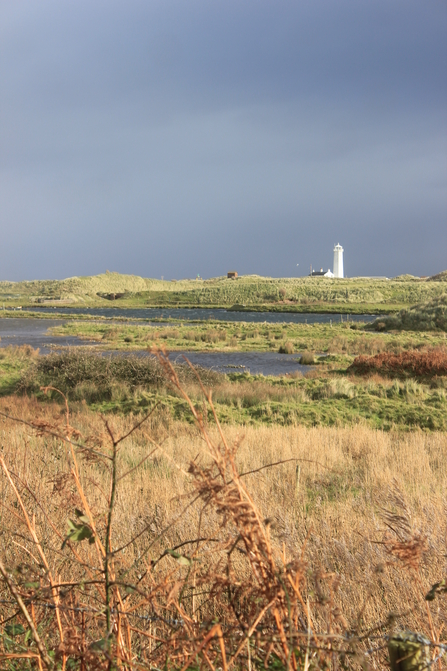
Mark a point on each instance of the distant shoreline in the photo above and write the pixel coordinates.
(247, 293)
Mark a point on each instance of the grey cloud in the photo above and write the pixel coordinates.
(159, 137)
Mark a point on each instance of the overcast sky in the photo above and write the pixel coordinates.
(176, 137)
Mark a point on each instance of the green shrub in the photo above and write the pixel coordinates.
(90, 376)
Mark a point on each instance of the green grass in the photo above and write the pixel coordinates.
(356, 295)
(429, 316)
(14, 362)
(310, 403)
(327, 397)
(348, 338)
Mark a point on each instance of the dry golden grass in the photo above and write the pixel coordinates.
(357, 516)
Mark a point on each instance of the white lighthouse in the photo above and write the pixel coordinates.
(338, 261)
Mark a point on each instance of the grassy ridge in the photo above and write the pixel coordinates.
(307, 293)
(429, 316)
(354, 295)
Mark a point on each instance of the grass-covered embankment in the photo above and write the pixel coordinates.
(429, 316)
(302, 294)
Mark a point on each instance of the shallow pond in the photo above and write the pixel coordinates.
(264, 363)
(205, 314)
(34, 332)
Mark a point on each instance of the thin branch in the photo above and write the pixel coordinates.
(285, 461)
(79, 446)
(137, 426)
(26, 615)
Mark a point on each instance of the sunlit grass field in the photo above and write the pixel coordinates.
(336, 338)
(354, 515)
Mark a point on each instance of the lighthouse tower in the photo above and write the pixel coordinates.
(338, 261)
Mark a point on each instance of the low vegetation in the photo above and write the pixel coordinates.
(167, 546)
(308, 359)
(429, 316)
(429, 364)
(336, 338)
(91, 377)
(329, 395)
(14, 361)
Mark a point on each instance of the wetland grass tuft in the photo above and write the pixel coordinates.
(286, 348)
(307, 359)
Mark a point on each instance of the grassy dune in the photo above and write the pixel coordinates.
(354, 295)
(428, 316)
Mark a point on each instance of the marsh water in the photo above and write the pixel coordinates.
(204, 314)
(263, 363)
(34, 332)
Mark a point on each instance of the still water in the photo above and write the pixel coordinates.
(263, 363)
(34, 332)
(205, 314)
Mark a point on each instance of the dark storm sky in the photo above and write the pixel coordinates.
(176, 137)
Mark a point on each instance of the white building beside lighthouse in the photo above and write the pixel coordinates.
(338, 261)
